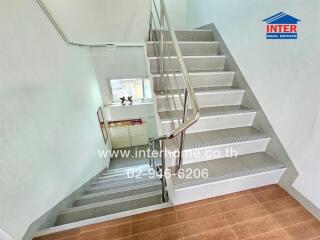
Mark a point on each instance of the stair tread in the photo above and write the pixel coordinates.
(109, 184)
(120, 189)
(207, 112)
(228, 168)
(192, 56)
(202, 72)
(199, 91)
(109, 202)
(219, 137)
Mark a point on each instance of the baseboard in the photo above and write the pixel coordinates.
(48, 219)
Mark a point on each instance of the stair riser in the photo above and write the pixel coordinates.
(106, 210)
(188, 36)
(214, 189)
(120, 184)
(193, 64)
(116, 195)
(187, 49)
(208, 153)
(216, 123)
(211, 99)
(223, 79)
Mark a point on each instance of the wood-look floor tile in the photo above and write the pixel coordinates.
(304, 231)
(104, 224)
(119, 231)
(232, 195)
(155, 222)
(59, 235)
(237, 203)
(202, 225)
(220, 234)
(244, 214)
(166, 233)
(195, 204)
(281, 204)
(153, 213)
(198, 212)
(292, 216)
(254, 227)
(278, 234)
(271, 194)
(260, 189)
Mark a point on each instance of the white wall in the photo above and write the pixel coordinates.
(284, 75)
(96, 21)
(49, 132)
(117, 63)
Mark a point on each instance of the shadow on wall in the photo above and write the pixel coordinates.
(4, 235)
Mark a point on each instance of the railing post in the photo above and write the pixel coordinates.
(161, 45)
(163, 169)
(181, 147)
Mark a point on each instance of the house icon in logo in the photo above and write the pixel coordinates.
(281, 26)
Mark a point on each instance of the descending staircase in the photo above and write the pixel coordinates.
(225, 121)
(114, 192)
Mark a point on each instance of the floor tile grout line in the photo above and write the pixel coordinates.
(230, 226)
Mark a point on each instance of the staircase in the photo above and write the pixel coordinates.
(225, 123)
(114, 191)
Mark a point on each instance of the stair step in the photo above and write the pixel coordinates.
(211, 118)
(99, 209)
(203, 146)
(198, 79)
(193, 63)
(207, 97)
(226, 168)
(118, 193)
(124, 171)
(124, 174)
(194, 35)
(187, 48)
(118, 182)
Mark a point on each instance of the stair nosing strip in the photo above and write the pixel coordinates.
(118, 190)
(109, 202)
(195, 56)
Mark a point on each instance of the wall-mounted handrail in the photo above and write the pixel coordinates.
(67, 41)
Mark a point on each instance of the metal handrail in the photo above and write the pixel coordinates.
(188, 91)
(67, 41)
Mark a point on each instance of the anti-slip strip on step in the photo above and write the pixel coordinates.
(207, 112)
(189, 57)
(195, 73)
(110, 202)
(226, 141)
(199, 91)
(118, 190)
(107, 184)
(124, 170)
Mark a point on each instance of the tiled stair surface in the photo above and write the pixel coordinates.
(224, 123)
(114, 191)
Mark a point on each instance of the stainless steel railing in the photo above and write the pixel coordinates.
(160, 35)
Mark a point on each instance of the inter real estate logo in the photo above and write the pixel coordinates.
(281, 26)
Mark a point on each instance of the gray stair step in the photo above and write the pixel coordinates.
(211, 118)
(117, 170)
(183, 35)
(187, 48)
(228, 168)
(193, 63)
(124, 175)
(99, 209)
(125, 171)
(198, 79)
(207, 97)
(203, 146)
(118, 193)
(121, 182)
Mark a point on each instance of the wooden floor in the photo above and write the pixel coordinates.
(259, 214)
